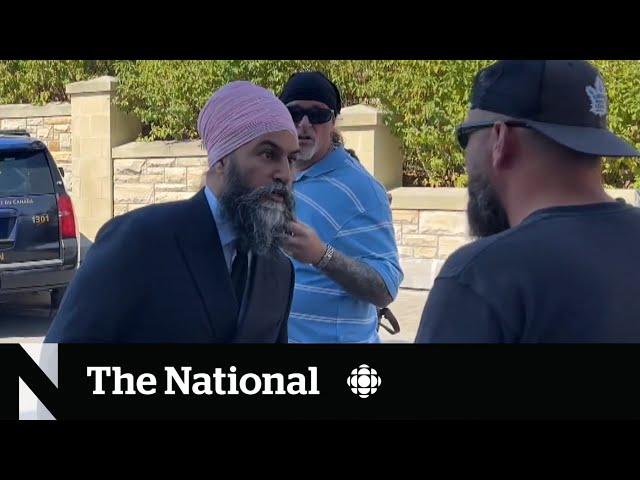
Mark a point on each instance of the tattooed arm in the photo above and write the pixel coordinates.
(356, 277)
(359, 279)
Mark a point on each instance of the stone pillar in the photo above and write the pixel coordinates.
(97, 126)
(379, 151)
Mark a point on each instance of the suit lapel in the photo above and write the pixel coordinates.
(200, 245)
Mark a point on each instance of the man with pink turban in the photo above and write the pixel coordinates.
(204, 270)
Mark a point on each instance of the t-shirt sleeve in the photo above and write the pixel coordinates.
(369, 237)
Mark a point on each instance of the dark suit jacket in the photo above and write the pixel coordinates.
(158, 275)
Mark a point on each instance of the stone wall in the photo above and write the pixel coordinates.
(156, 172)
(430, 224)
(98, 126)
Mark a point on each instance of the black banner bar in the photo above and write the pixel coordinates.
(331, 382)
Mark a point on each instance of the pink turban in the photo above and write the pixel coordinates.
(238, 113)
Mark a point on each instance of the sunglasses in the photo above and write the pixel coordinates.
(464, 131)
(315, 115)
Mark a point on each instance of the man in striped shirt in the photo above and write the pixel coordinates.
(342, 243)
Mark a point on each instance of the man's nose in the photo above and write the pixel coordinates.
(283, 172)
(303, 124)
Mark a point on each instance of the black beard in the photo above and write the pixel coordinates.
(259, 221)
(485, 213)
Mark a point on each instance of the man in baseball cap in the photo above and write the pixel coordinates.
(557, 259)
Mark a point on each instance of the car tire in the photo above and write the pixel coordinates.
(56, 296)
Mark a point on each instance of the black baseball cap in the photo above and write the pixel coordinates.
(564, 100)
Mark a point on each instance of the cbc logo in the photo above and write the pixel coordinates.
(364, 381)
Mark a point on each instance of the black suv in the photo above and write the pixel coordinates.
(38, 236)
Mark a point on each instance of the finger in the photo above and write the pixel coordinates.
(287, 241)
(297, 228)
(291, 243)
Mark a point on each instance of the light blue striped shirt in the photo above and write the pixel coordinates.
(349, 209)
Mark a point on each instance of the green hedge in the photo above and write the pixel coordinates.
(43, 81)
(425, 100)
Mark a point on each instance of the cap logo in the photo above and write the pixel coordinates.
(598, 98)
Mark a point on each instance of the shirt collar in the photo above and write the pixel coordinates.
(225, 227)
(333, 160)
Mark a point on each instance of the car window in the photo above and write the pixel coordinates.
(25, 173)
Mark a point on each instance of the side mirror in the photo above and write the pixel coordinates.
(61, 171)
